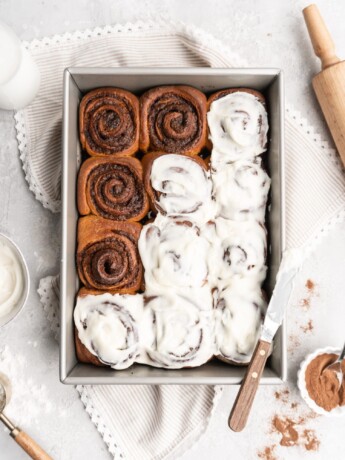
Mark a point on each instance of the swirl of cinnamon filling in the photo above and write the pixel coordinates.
(181, 333)
(179, 186)
(112, 188)
(107, 326)
(109, 122)
(238, 126)
(238, 249)
(241, 190)
(107, 257)
(173, 254)
(173, 120)
(238, 318)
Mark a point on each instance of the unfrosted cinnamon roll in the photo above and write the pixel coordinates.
(177, 333)
(107, 255)
(238, 249)
(173, 120)
(240, 190)
(108, 327)
(238, 317)
(238, 125)
(109, 122)
(179, 185)
(112, 188)
(174, 254)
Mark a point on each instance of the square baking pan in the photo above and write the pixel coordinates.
(77, 81)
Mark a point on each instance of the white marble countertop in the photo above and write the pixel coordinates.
(267, 34)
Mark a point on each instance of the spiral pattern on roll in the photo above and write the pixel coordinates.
(108, 328)
(109, 122)
(181, 332)
(173, 120)
(112, 189)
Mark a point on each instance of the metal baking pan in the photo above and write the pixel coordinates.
(80, 80)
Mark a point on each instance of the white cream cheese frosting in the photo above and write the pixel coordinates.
(183, 187)
(238, 127)
(238, 250)
(174, 254)
(238, 314)
(240, 190)
(11, 279)
(108, 327)
(181, 333)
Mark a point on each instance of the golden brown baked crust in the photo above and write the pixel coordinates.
(107, 255)
(109, 122)
(112, 188)
(173, 120)
(147, 163)
(225, 92)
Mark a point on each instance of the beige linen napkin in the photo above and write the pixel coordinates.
(171, 418)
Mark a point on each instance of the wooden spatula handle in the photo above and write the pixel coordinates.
(29, 445)
(320, 37)
(246, 394)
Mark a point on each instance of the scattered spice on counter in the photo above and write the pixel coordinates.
(310, 287)
(282, 395)
(311, 441)
(286, 427)
(309, 327)
(293, 432)
(322, 384)
(294, 343)
(268, 453)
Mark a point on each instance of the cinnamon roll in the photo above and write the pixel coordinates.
(238, 249)
(107, 255)
(238, 317)
(240, 190)
(238, 125)
(179, 185)
(112, 188)
(177, 333)
(173, 120)
(174, 254)
(108, 328)
(109, 122)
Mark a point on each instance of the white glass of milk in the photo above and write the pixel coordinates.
(19, 74)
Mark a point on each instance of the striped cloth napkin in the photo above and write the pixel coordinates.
(171, 418)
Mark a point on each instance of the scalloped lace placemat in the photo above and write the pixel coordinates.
(172, 418)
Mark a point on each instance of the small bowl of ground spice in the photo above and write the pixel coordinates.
(320, 387)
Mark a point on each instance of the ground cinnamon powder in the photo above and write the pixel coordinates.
(323, 385)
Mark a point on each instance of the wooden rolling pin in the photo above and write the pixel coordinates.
(329, 84)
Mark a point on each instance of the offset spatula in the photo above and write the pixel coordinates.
(274, 318)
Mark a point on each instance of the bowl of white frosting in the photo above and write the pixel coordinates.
(14, 280)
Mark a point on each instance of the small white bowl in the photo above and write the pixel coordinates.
(337, 411)
(26, 288)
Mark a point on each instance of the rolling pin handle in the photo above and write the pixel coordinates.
(320, 37)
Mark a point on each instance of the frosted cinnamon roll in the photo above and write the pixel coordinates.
(179, 185)
(109, 122)
(174, 254)
(238, 249)
(173, 120)
(107, 255)
(241, 190)
(112, 188)
(178, 334)
(238, 125)
(238, 317)
(108, 327)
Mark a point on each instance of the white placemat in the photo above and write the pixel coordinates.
(315, 189)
